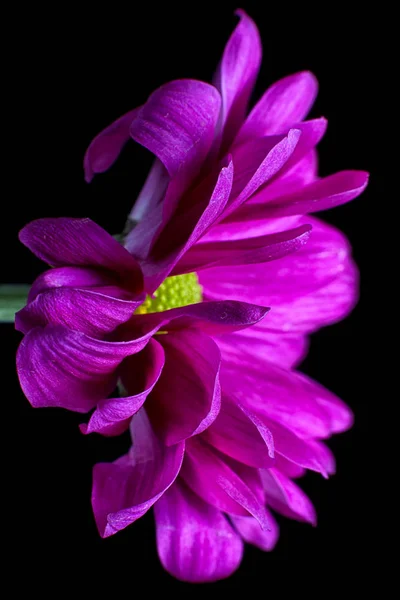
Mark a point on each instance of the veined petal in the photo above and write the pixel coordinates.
(139, 374)
(60, 367)
(125, 490)
(177, 124)
(251, 532)
(104, 150)
(210, 476)
(236, 75)
(187, 398)
(80, 243)
(87, 311)
(286, 498)
(241, 435)
(194, 540)
(253, 250)
(283, 105)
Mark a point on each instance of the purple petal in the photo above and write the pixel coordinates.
(283, 105)
(187, 398)
(209, 475)
(104, 150)
(76, 277)
(282, 349)
(151, 193)
(82, 243)
(211, 317)
(239, 230)
(315, 286)
(286, 498)
(251, 532)
(60, 367)
(125, 490)
(237, 73)
(289, 468)
(241, 435)
(139, 375)
(177, 124)
(256, 162)
(194, 540)
(253, 250)
(86, 311)
(278, 394)
(187, 226)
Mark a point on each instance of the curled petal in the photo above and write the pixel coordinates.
(286, 498)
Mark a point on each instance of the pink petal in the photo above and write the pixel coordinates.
(241, 435)
(210, 476)
(104, 150)
(253, 250)
(286, 498)
(87, 311)
(251, 532)
(139, 375)
(194, 540)
(283, 105)
(60, 367)
(187, 397)
(81, 243)
(177, 124)
(237, 74)
(125, 490)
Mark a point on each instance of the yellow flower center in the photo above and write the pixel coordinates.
(176, 291)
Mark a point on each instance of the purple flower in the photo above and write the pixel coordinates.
(82, 336)
(222, 181)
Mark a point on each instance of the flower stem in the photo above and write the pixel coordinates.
(12, 298)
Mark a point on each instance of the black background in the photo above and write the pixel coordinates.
(73, 75)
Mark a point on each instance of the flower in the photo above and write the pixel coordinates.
(82, 336)
(183, 220)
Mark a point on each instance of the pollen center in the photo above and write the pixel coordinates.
(176, 291)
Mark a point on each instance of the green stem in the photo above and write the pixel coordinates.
(12, 298)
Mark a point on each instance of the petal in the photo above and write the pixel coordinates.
(86, 311)
(60, 367)
(151, 193)
(104, 150)
(278, 394)
(239, 230)
(139, 375)
(283, 105)
(80, 277)
(253, 250)
(315, 286)
(80, 242)
(194, 540)
(237, 73)
(177, 124)
(125, 490)
(187, 226)
(251, 532)
(282, 349)
(241, 435)
(187, 397)
(209, 474)
(256, 162)
(211, 317)
(286, 498)
(321, 195)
